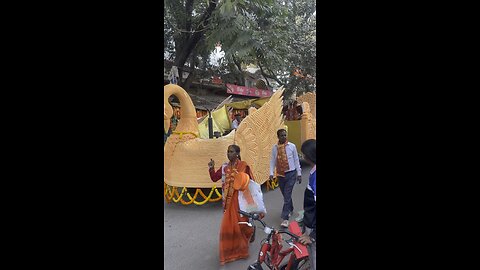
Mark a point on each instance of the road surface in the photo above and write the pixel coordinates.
(191, 232)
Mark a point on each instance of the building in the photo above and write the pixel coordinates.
(208, 92)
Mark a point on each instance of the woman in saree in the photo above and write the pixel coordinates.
(235, 175)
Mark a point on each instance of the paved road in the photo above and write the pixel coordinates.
(192, 232)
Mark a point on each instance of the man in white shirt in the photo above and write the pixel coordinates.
(285, 159)
(236, 121)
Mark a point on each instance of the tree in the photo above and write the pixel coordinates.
(278, 36)
(289, 44)
(184, 27)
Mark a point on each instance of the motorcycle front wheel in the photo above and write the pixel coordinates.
(255, 266)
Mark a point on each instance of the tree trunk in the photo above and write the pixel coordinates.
(188, 81)
(188, 11)
(191, 42)
(269, 76)
(290, 87)
(191, 75)
(239, 67)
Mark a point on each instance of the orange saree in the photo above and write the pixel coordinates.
(234, 237)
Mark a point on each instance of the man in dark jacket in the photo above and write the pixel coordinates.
(309, 150)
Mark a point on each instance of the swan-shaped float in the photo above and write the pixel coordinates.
(186, 155)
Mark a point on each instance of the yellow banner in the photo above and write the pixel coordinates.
(220, 121)
(245, 104)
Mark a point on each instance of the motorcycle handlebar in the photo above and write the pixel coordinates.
(294, 236)
(256, 216)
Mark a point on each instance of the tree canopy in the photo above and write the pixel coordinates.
(277, 36)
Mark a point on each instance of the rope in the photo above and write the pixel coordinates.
(186, 132)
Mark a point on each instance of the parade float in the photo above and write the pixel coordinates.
(186, 155)
(299, 129)
(304, 128)
(188, 149)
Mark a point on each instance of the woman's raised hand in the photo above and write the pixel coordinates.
(211, 164)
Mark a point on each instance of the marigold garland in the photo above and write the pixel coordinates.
(171, 193)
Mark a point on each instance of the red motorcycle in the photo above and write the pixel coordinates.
(271, 253)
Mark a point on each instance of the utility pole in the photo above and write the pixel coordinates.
(210, 125)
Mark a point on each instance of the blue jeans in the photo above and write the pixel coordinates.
(286, 187)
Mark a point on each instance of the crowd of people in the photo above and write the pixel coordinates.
(235, 237)
(292, 111)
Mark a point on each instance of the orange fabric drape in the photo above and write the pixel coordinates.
(234, 238)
